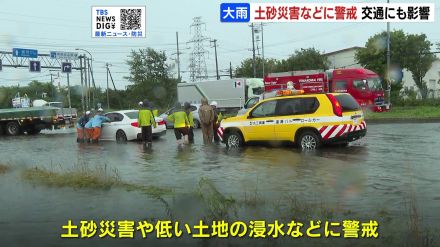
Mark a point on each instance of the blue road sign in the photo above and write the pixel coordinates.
(235, 12)
(34, 66)
(66, 67)
(18, 52)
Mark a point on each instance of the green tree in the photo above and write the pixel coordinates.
(419, 60)
(151, 78)
(246, 69)
(304, 59)
(374, 56)
(407, 51)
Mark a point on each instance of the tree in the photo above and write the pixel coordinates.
(419, 60)
(374, 56)
(246, 69)
(304, 59)
(410, 51)
(151, 79)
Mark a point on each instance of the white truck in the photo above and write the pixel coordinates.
(230, 94)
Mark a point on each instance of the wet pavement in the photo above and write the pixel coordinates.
(395, 166)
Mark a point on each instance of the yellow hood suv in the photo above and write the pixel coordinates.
(308, 120)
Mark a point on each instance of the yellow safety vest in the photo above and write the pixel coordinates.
(179, 118)
(146, 118)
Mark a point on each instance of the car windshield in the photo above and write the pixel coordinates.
(132, 114)
(375, 83)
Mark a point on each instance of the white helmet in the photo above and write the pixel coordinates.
(87, 112)
(214, 103)
(100, 110)
(141, 103)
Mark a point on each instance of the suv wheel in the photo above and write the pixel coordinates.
(233, 140)
(309, 141)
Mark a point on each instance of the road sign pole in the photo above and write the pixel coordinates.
(68, 93)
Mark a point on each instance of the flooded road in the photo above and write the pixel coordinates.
(394, 167)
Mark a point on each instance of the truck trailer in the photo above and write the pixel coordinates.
(32, 120)
(230, 94)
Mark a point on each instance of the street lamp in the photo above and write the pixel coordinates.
(91, 72)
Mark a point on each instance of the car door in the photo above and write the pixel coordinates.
(260, 122)
(109, 128)
(294, 113)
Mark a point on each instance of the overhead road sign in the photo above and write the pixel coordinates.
(64, 55)
(19, 52)
(34, 66)
(66, 67)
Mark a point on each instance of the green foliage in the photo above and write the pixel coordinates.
(304, 59)
(246, 69)
(150, 76)
(408, 51)
(374, 56)
(418, 60)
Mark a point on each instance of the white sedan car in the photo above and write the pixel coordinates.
(124, 126)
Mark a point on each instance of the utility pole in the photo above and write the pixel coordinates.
(253, 52)
(230, 69)
(388, 62)
(216, 61)
(262, 46)
(178, 56)
(68, 92)
(86, 80)
(82, 82)
(93, 81)
(108, 99)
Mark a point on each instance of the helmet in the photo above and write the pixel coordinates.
(100, 110)
(187, 105)
(141, 103)
(214, 103)
(87, 112)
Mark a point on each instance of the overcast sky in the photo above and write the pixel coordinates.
(49, 25)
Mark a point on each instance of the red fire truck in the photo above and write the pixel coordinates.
(363, 84)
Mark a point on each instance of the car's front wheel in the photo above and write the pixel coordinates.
(309, 141)
(121, 137)
(233, 140)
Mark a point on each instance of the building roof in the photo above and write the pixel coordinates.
(343, 50)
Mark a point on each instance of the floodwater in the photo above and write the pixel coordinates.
(394, 167)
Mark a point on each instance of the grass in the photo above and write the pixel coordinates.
(3, 168)
(409, 112)
(84, 177)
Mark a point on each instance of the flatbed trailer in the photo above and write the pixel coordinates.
(32, 120)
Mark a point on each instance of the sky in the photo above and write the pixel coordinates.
(49, 25)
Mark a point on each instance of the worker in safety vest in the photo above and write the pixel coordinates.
(97, 124)
(181, 124)
(190, 116)
(217, 119)
(146, 122)
(80, 127)
(88, 129)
